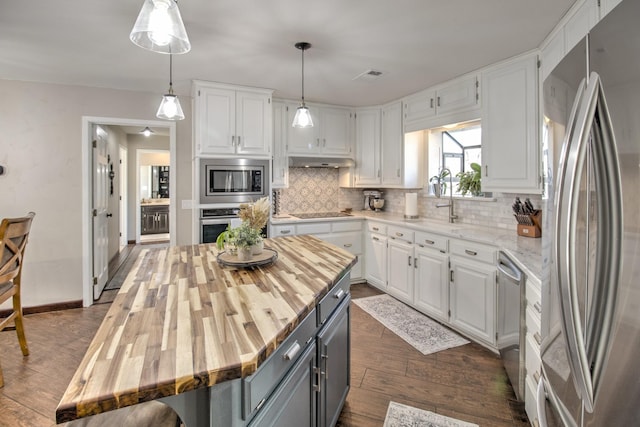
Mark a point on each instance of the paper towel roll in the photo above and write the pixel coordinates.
(411, 205)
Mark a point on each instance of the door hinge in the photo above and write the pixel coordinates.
(95, 212)
(95, 280)
(94, 143)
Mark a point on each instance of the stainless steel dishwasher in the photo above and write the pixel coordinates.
(511, 322)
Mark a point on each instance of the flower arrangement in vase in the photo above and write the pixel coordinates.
(247, 238)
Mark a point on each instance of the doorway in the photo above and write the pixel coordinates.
(124, 194)
(152, 195)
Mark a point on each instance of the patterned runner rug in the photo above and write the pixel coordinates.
(426, 335)
(399, 415)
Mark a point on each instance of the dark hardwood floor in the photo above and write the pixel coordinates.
(466, 382)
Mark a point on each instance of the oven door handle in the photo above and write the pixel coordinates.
(215, 221)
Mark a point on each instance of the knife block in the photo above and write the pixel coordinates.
(532, 230)
(528, 230)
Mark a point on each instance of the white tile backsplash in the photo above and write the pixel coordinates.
(317, 190)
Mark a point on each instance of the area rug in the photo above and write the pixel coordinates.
(425, 335)
(399, 415)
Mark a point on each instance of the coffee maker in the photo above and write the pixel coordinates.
(369, 197)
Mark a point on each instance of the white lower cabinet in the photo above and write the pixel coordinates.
(472, 298)
(431, 282)
(532, 348)
(400, 272)
(376, 255)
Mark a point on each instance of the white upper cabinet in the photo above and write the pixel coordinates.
(392, 145)
(607, 6)
(367, 170)
(454, 101)
(329, 136)
(510, 149)
(280, 166)
(231, 120)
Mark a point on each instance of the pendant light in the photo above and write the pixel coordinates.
(302, 118)
(170, 108)
(147, 131)
(159, 28)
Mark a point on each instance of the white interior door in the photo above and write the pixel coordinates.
(123, 197)
(100, 181)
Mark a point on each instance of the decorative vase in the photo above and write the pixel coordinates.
(245, 253)
(258, 247)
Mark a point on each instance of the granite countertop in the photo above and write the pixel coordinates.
(155, 202)
(525, 251)
(179, 301)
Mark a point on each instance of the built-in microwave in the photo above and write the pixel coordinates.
(233, 180)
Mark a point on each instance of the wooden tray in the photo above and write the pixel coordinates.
(266, 257)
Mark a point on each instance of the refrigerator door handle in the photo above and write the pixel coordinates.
(541, 400)
(587, 351)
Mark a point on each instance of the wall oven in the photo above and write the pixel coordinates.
(233, 180)
(214, 221)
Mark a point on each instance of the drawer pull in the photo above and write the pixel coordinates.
(538, 338)
(347, 245)
(399, 234)
(375, 228)
(293, 350)
(375, 238)
(429, 242)
(538, 307)
(260, 404)
(472, 253)
(409, 260)
(285, 231)
(339, 294)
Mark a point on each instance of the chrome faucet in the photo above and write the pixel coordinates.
(450, 204)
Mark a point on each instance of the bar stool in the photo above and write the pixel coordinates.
(14, 233)
(147, 414)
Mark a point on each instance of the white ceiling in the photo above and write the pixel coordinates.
(415, 43)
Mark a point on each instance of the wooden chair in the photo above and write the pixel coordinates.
(14, 233)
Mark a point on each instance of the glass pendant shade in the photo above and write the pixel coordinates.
(159, 28)
(302, 119)
(170, 108)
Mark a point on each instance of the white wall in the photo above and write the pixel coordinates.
(40, 148)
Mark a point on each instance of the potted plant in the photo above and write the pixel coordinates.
(470, 181)
(246, 237)
(439, 183)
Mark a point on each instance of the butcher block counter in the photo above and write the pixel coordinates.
(181, 322)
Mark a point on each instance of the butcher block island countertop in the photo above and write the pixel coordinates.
(182, 322)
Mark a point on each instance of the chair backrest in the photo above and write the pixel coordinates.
(14, 233)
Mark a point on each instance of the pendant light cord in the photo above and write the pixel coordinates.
(170, 74)
(303, 49)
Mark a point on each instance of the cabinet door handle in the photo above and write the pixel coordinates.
(375, 238)
(438, 101)
(415, 262)
(538, 307)
(326, 367)
(238, 141)
(375, 228)
(399, 234)
(233, 140)
(409, 260)
(324, 142)
(472, 253)
(538, 338)
(285, 231)
(451, 275)
(431, 103)
(429, 242)
(398, 173)
(293, 350)
(317, 387)
(318, 142)
(347, 245)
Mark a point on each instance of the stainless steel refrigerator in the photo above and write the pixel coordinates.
(590, 350)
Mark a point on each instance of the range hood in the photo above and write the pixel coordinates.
(320, 162)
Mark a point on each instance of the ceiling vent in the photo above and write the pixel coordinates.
(368, 75)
